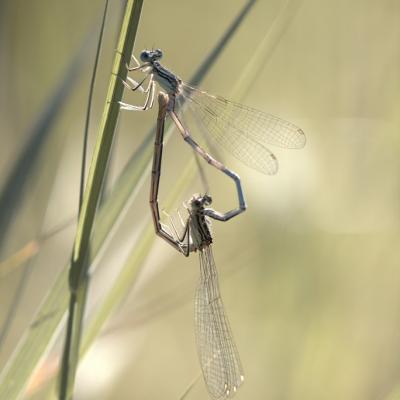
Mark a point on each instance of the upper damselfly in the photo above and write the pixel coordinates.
(243, 131)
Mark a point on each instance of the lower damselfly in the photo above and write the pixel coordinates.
(242, 131)
(219, 358)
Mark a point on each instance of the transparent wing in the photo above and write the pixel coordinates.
(218, 355)
(243, 131)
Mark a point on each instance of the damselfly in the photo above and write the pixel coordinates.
(218, 355)
(242, 131)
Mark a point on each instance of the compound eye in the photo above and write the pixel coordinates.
(144, 56)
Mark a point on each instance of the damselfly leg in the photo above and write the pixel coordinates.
(136, 67)
(150, 91)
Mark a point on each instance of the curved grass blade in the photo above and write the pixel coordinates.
(265, 48)
(15, 184)
(89, 107)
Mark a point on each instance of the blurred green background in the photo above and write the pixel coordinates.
(309, 274)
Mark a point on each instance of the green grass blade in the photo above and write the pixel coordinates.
(106, 132)
(78, 277)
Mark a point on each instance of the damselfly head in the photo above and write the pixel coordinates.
(199, 201)
(151, 55)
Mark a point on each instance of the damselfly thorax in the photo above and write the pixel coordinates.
(166, 79)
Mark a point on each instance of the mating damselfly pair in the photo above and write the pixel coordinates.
(245, 133)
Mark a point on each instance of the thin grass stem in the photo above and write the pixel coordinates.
(78, 276)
